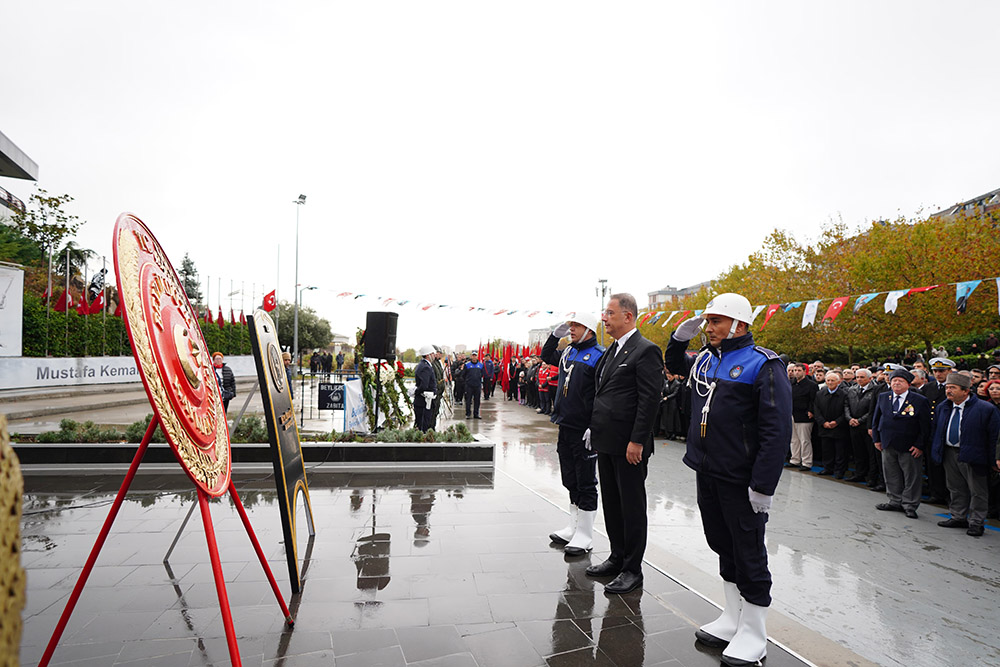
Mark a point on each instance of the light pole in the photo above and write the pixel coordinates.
(300, 202)
(602, 291)
(302, 390)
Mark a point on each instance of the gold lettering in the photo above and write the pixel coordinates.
(287, 419)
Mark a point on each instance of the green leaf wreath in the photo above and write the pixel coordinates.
(392, 389)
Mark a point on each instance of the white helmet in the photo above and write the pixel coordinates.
(731, 305)
(425, 350)
(584, 317)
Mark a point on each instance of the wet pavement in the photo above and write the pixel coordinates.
(455, 569)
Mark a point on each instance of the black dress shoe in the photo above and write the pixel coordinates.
(954, 523)
(879, 488)
(823, 473)
(626, 582)
(974, 531)
(889, 507)
(608, 568)
(910, 514)
(856, 479)
(934, 500)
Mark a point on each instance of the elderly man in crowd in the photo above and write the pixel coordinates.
(964, 442)
(830, 413)
(860, 404)
(901, 430)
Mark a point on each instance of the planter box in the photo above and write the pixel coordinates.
(98, 457)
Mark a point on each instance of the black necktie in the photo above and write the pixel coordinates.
(612, 351)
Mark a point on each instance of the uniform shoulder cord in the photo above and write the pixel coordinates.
(699, 382)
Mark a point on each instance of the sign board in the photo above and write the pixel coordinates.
(331, 395)
(286, 451)
(11, 310)
(354, 405)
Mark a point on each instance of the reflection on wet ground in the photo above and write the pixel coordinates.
(894, 590)
(436, 568)
(416, 568)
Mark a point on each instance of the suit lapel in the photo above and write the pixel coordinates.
(620, 358)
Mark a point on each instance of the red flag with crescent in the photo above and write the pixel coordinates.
(270, 302)
(771, 310)
(835, 308)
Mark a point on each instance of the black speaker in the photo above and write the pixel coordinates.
(380, 335)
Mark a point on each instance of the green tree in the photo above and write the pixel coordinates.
(71, 261)
(314, 332)
(189, 279)
(17, 248)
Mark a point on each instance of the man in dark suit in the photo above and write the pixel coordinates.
(830, 410)
(423, 396)
(901, 430)
(629, 378)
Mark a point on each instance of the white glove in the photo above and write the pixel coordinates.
(759, 502)
(428, 396)
(561, 330)
(586, 439)
(688, 328)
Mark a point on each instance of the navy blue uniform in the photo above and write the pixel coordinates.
(740, 442)
(426, 381)
(574, 403)
(473, 373)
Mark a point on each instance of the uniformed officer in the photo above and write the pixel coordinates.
(742, 426)
(572, 407)
(423, 397)
(473, 373)
(439, 377)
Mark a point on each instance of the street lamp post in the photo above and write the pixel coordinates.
(602, 291)
(302, 386)
(300, 202)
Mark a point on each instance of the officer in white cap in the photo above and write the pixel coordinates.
(741, 428)
(574, 403)
(423, 397)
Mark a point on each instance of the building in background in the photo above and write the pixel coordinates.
(669, 296)
(981, 204)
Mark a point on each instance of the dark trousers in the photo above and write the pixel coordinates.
(578, 468)
(736, 534)
(543, 401)
(623, 486)
(422, 415)
(835, 453)
(937, 481)
(472, 395)
(861, 444)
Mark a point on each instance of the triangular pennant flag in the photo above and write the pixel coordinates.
(792, 306)
(343, 294)
(669, 317)
(656, 317)
(645, 318)
(917, 290)
(809, 314)
(771, 310)
(892, 299)
(698, 313)
(962, 293)
(835, 308)
(756, 311)
(863, 299)
(682, 318)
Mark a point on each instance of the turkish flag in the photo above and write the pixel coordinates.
(835, 308)
(771, 310)
(83, 307)
(243, 320)
(682, 318)
(232, 317)
(918, 290)
(221, 321)
(98, 304)
(118, 306)
(270, 303)
(61, 304)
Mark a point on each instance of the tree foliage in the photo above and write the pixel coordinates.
(44, 221)
(314, 332)
(188, 274)
(880, 257)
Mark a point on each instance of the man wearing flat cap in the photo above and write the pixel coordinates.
(901, 430)
(934, 392)
(964, 442)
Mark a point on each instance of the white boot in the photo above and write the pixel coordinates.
(583, 538)
(721, 631)
(566, 534)
(749, 646)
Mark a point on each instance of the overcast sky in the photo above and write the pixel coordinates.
(504, 155)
